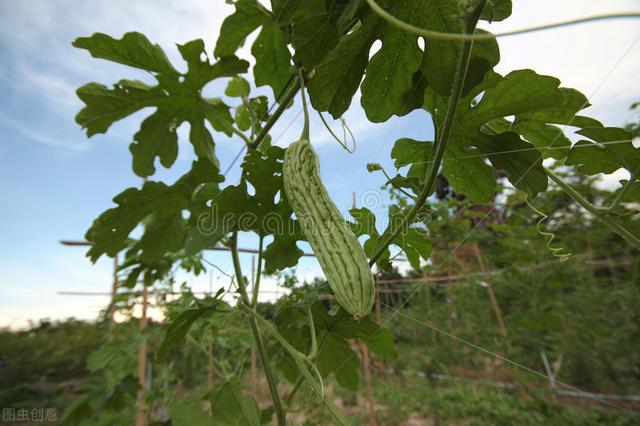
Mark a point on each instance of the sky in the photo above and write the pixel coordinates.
(55, 181)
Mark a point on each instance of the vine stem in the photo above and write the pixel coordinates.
(596, 211)
(438, 35)
(256, 284)
(389, 182)
(470, 22)
(262, 353)
(284, 104)
(300, 360)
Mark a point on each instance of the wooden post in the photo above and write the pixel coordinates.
(429, 311)
(378, 308)
(254, 361)
(210, 367)
(492, 295)
(557, 364)
(114, 290)
(452, 312)
(379, 316)
(590, 257)
(552, 379)
(141, 411)
(367, 379)
(613, 276)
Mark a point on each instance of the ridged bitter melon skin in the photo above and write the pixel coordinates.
(336, 247)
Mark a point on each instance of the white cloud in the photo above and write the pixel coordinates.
(42, 138)
(37, 35)
(611, 182)
(31, 286)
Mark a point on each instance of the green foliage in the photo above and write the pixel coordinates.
(187, 413)
(238, 87)
(231, 407)
(532, 99)
(596, 157)
(36, 360)
(579, 311)
(413, 242)
(160, 205)
(333, 332)
(269, 49)
(262, 212)
(481, 405)
(177, 98)
(181, 325)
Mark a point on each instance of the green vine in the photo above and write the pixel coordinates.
(262, 352)
(470, 22)
(438, 35)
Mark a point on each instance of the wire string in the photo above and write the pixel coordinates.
(342, 142)
(500, 357)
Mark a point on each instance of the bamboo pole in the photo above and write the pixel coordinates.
(367, 378)
(114, 290)
(210, 367)
(492, 295)
(141, 409)
(378, 308)
(254, 358)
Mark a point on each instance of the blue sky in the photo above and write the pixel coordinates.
(55, 181)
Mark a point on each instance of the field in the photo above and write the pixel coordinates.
(463, 251)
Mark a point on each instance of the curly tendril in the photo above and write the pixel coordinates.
(345, 128)
(555, 251)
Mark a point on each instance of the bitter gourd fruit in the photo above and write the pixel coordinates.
(336, 247)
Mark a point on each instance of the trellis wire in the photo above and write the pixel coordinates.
(497, 356)
(505, 385)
